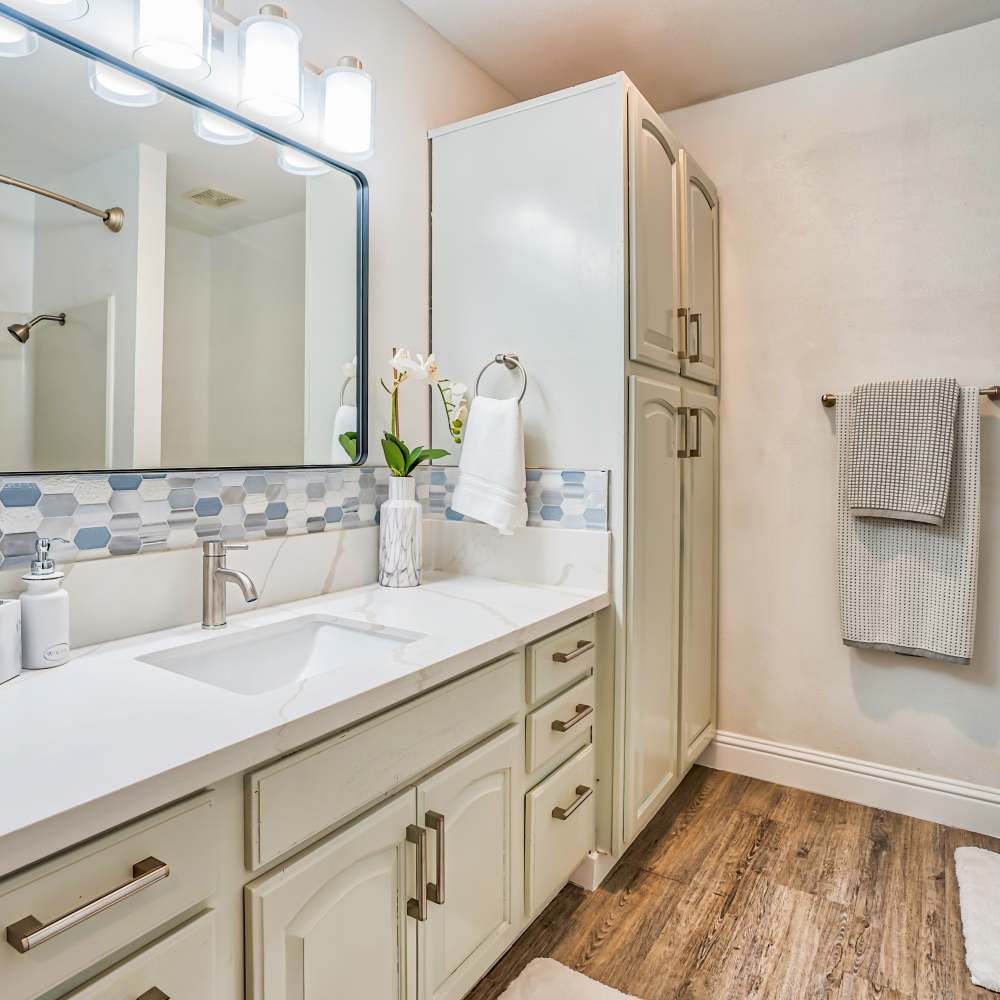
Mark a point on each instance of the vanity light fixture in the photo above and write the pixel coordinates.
(64, 10)
(271, 66)
(16, 40)
(175, 35)
(223, 132)
(122, 88)
(349, 108)
(301, 164)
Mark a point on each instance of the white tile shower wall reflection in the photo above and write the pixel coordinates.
(125, 513)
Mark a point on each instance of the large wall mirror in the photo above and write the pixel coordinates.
(210, 315)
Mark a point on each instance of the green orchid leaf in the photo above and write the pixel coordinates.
(399, 444)
(349, 442)
(414, 459)
(393, 457)
(434, 453)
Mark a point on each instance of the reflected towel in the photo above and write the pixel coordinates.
(491, 474)
(345, 419)
(909, 587)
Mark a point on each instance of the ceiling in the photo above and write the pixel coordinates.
(680, 52)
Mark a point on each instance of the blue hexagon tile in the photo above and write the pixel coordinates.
(121, 514)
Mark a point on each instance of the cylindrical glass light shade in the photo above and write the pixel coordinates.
(16, 39)
(214, 128)
(175, 35)
(271, 66)
(301, 164)
(349, 109)
(122, 88)
(64, 10)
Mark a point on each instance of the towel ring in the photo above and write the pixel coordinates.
(343, 388)
(509, 361)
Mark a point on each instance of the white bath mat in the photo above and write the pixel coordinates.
(546, 979)
(978, 874)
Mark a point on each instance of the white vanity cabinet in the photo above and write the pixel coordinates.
(576, 231)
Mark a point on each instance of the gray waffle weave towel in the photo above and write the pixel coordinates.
(901, 449)
(905, 586)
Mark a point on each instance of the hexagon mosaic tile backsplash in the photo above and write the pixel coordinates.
(125, 513)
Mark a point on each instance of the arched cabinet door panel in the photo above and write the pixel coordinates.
(653, 577)
(654, 219)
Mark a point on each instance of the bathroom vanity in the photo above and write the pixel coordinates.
(390, 825)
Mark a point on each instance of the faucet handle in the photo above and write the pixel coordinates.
(216, 549)
(235, 548)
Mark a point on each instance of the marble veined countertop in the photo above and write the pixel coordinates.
(107, 737)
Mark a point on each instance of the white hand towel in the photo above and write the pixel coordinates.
(345, 419)
(491, 476)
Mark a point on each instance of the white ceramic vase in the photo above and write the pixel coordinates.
(400, 535)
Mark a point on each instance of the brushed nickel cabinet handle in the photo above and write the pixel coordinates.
(30, 932)
(154, 994)
(695, 452)
(694, 323)
(435, 890)
(682, 417)
(682, 342)
(582, 646)
(582, 794)
(417, 908)
(582, 711)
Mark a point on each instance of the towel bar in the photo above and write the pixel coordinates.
(991, 392)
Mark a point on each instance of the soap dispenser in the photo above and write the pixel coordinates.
(44, 613)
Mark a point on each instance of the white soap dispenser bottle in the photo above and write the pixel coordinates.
(44, 613)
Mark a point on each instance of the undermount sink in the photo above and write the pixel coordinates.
(272, 656)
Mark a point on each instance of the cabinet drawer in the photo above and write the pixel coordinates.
(181, 837)
(179, 965)
(560, 824)
(305, 794)
(559, 723)
(560, 659)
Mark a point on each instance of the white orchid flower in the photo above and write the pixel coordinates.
(458, 391)
(420, 368)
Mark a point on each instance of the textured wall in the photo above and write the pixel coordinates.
(860, 240)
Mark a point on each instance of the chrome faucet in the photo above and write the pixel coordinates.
(215, 575)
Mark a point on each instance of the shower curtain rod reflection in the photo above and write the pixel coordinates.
(113, 218)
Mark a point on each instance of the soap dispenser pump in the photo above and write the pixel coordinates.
(44, 613)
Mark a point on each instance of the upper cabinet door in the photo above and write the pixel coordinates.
(700, 292)
(653, 579)
(333, 921)
(699, 578)
(474, 823)
(654, 237)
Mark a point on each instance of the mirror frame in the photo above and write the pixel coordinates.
(88, 51)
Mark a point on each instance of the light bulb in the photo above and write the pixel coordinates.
(271, 66)
(16, 40)
(222, 131)
(175, 35)
(122, 88)
(349, 108)
(292, 161)
(64, 10)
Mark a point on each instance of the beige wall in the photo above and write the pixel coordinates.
(860, 240)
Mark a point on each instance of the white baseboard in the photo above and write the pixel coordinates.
(924, 796)
(593, 870)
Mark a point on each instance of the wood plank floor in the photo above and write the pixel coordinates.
(742, 889)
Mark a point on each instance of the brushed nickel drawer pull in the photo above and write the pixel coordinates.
(695, 452)
(694, 323)
(417, 908)
(582, 646)
(582, 794)
(154, 994)
(582, 711)
(682, 346)
(682, 417)
(30, 932)
(435, 890)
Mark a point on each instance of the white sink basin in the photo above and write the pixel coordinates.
(273, 656)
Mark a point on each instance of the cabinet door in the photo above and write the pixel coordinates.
(473, 801)
(700, 272)
(699, 577)
(654, 237)
(332, 924)
(651, 689)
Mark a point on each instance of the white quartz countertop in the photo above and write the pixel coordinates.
(106, 737)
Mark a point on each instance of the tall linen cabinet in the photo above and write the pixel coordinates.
(576, 232)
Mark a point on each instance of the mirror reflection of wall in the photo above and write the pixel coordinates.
(214, 330)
